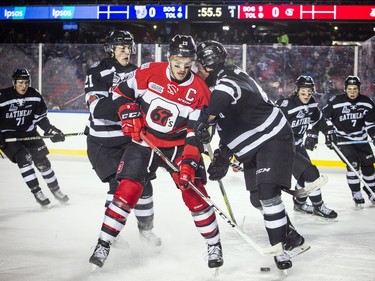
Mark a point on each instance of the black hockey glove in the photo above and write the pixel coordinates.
(57, 135)
(2, 141)
(220, 163)
(204, 129)
(311, 139)
(330, 138)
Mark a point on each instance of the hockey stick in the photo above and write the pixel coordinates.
(310, 187)
(346, 161)
(41, 137)
(353, 142)
(221, 185)
(273, 250)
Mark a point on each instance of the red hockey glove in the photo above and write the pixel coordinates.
(132, 121)
(188, 167)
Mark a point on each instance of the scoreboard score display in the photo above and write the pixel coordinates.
(306, 12)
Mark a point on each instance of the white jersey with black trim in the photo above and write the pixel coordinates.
(21, 114)
(300, 116)
(246, 117)
(354, 119)
(104, 125)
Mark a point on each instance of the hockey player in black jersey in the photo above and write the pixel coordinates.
(256, 132)
(301, 110)
(105, 140)
(22, 109)
(353, 117)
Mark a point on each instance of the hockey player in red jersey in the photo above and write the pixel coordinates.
(22, 109)
(163, 100)
(105, 140)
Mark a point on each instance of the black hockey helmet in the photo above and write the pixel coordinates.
(352, 80)
(119, 37)
(211, 54)
(182, 46)
(304, 81)
(21, 74)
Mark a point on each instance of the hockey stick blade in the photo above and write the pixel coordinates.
(298, 250)
(273, 250)
(41, 137)
(315, 185)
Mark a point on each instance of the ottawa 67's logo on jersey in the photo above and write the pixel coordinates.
(162, 115)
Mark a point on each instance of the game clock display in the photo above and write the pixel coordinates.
(212, 12)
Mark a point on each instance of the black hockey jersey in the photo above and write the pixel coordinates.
(354, 119)
(300, 116)
(21, 114)
(104, 125)
(246, 117)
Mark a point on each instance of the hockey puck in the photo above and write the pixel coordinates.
(264, 269)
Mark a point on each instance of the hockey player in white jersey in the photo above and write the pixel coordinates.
(256, 132)
(302, 111)
(105, 140)
(22, 110)
(353, 117)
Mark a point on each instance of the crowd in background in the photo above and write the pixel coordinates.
(307, 34)
(275, 68)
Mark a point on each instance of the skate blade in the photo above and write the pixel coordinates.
(323, 219)
(284, 272)
(216, 272)
(94, 268)
(359, 206)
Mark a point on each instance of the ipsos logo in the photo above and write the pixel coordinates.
(17, 13)
(63, 12)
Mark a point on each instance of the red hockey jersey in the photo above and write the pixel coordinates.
(169, 109)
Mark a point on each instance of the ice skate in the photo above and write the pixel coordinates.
(303, 208)
(359, 201)
(295, 243)
(324, 212)
(100, 253)
(283, 261)
(150, 238)
(370, 195)
(41, 198)
(215, 255)
(61, 197)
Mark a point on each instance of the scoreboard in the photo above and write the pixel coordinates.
(190, 12)
(306, 12)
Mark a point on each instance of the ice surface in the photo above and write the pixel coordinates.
(55, 244)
